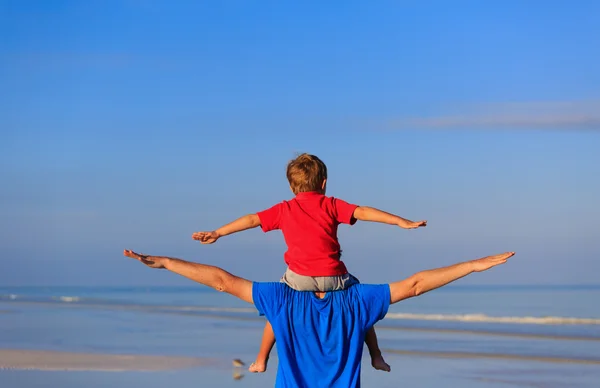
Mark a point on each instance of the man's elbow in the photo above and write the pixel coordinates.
(219, 281)
(224, 282)
(221, 286)
(417, 287)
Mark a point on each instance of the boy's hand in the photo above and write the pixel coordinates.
(206, 237)
(413, 225)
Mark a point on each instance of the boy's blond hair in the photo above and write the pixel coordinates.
(306, 173)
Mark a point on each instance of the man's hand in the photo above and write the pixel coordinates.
(412, 225)
(486, 263)
(206, 237)
(150, 261)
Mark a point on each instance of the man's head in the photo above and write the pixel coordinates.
(307, 173)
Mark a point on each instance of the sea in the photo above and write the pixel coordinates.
(457, 336)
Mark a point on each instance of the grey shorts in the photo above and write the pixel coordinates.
(318, 283)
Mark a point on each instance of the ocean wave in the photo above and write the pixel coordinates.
(491, 319)
(69, 299)
(46, 299)
(212, 309)
(108, 303)
(191, 309)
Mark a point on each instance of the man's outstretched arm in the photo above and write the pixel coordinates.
(208, 275)
(424, 281)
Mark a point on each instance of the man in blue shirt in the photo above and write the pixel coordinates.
(320, 336)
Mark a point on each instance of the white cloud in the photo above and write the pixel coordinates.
(523, 115)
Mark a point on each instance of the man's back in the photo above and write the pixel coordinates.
(320, 341)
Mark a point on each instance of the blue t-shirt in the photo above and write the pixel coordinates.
(320, 341)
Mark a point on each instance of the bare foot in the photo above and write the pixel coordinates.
(379, 363)
(258, 367)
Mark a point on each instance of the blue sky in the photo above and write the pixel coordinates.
(132, 124)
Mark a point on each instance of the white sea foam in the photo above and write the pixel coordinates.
(491, 319)
(477, 317)
(69, 299)
(214, 309)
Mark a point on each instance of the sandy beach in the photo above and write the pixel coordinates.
(69, 361)
(188, 337)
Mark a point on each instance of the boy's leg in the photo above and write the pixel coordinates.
(376, 358)
(266, 345)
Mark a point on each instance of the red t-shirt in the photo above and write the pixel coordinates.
(309, 224)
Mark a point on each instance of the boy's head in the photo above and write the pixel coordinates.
(307, 173)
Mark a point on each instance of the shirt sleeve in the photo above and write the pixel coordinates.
(344, 211)
(376, 302)
(270, 218)
(267, 298)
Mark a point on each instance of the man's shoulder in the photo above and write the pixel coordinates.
(362, 287)
(277, 290)
(269, 286)
(268, 297)
(373, 302)
(367, 292)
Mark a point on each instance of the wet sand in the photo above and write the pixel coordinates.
(68, 361)
(516, 357)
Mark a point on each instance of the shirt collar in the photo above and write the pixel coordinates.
(308, 194)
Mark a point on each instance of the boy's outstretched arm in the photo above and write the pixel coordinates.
(365, 213)
(246, 222)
